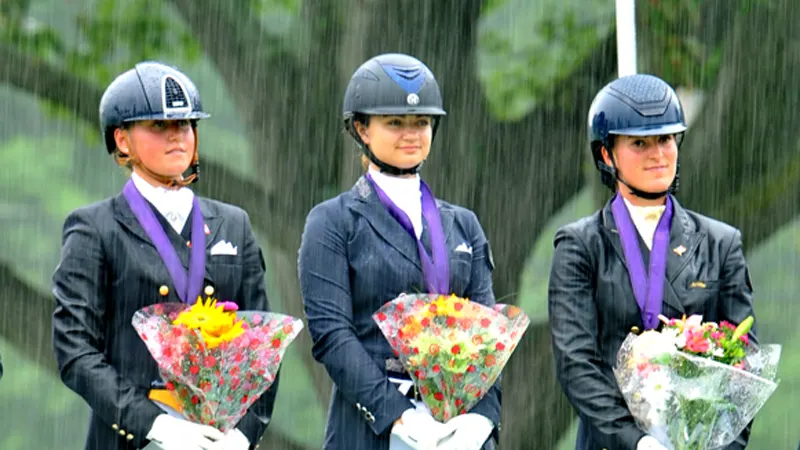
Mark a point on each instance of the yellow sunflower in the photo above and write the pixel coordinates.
(214, 323)
(453, 306)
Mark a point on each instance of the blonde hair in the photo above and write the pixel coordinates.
(364, 162)
(123, 160)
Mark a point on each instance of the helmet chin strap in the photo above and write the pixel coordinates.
(388, 168)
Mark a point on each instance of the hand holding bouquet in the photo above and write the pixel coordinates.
(215, 361)
(695, 385)
(453, 349)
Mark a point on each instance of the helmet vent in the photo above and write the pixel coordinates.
(642, 89)
(174, 98)
(410, 79)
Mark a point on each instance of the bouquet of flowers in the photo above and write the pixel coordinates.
(452, 348)
(695, 385)
(215, 361)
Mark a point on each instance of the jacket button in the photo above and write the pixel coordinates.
(635, 330)
(115, 427)
(163, 290)
(129, 437)
(122, 432)
(209, 290)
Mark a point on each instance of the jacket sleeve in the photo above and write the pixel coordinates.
(574, 330)
(325, 285)
(253, 296)
(79, 324)
(480, 291)
(736, 303)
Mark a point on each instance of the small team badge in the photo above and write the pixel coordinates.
(679, 250)
(412, 99)
(205, 229)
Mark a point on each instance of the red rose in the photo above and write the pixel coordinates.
(471, 369)
(244, 399)
(209, 361)
(490, 360)
(400, 307)
(254, 344)
(425, 322)
(436, 368)
(195, 400)
(381, 316)
(432, 309)
(500, 346)
(458, 306)
(238, 357)
(456, 349)
(276, 343)
(485, 323)
(234, 371)
(170, 386)
(194, 370)
(438, 396)
(459, 402)
(451, 321)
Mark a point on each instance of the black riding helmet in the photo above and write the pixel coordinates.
(391, 84)
(635, 105)
(150, 91)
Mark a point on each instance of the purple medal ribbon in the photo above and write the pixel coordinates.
(437, 270)
(649, 291)
(188, 291)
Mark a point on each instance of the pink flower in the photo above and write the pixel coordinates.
(696, 342)
(746, 339)
(229, 306)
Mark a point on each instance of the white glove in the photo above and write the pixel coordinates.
(172, 433)
(471, 432)
(649, 443)
(419, 430)
(233, 440)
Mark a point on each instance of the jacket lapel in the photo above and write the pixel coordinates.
(213, 223)
(683, 241)
(124, 215)
(448, 217)
(368, 205)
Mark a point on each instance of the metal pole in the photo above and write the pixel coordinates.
(626, 37)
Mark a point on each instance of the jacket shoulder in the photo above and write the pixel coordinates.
(712, 227)
(93, 213)
(222, 208)
(581, 228)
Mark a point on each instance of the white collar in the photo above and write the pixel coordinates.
(405, 193)
(174, 204)
(388, 182)
(645, 213)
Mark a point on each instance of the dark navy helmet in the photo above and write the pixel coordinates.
(635, 105)
(391, 84)
(149, 91)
